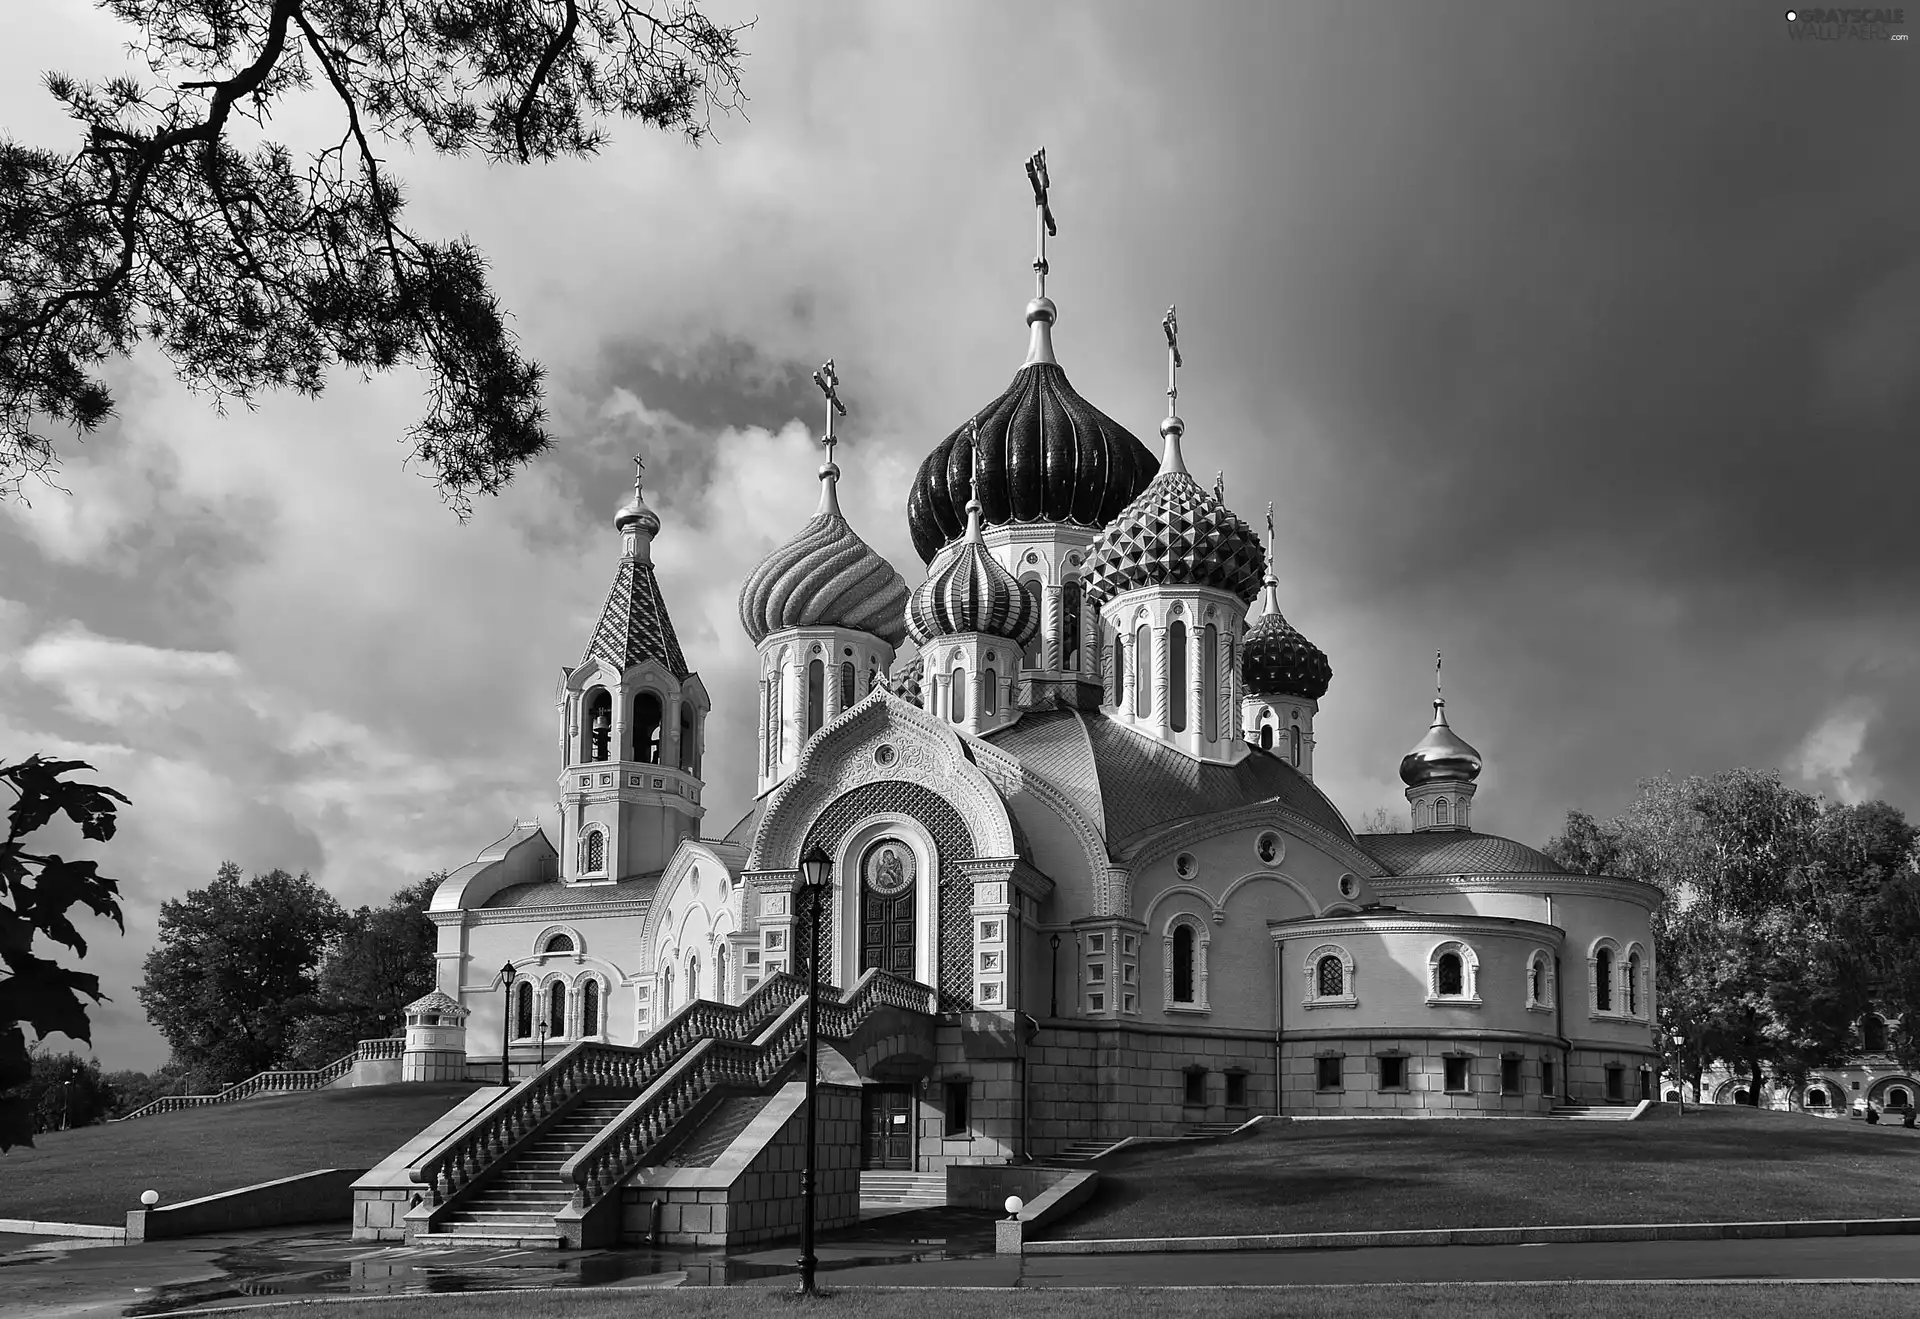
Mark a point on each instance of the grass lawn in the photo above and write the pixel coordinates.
(1717, 1164)
(96, 1174)
(1533, 1301)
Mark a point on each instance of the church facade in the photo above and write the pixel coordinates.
(1083, 814)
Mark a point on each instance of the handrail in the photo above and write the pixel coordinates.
(268, 1082)
(625, 1143)
(466, 1154)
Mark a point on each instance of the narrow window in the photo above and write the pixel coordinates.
(773, 723)
(1142, 672)
(1632, 985)
(590, 1009)
(990, 692)
(689, 743)
(1196, 1092)
(1119, 672)
(847, 680)
(956, 1115)
(1616, 1083)
(816, 696)
(1447, 975)
(1177, 677)
(1037, 647)
(1183, 964)
(1266, 737)
(666, 993)
(1331, 977)
(1393, 1072)
(646, 728)
(1509, 1076)
(1455, 1075)
(958, 699)
(693, 978)
(720, 973)
(596, 852)
(1236, 1089)
(1210, 682)
(599, 725)
(1603, 980)
(1546, 1076)
(1536, 986)
(1070, 624)
(523, 1011)
(1293, 742)
(1328, 1073)
(556, 1010)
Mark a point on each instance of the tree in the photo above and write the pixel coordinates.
(37, 893)
(1586, 847)
(382, 962)
(254, 267)
(66, 1090)
(135, 1090)
(234, 970)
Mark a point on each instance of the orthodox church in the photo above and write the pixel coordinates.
(1082, 816)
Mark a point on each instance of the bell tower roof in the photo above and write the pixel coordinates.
(634, 624)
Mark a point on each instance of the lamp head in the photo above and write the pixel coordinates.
(1054, 941)
(1014, 1205)
(506, 974)
(814, 867)
(149, 1198)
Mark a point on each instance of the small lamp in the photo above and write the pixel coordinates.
(1014, 1205)
(814, 867)
(506, 975)
(149, 1198)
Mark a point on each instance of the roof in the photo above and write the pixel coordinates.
(741, 835)
(640, 888)
(634, 625)
(1140, 785)
(1456, 852)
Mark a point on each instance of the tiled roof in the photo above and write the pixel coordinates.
(907, 679)
(1175, 534)
(1141, 784)
(742, 833)
(1456, 852)
(555, 894)
(634, 625)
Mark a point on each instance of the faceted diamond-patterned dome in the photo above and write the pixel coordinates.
(1175, 534)
(1275, 660)
(906, 679)
(971, 592)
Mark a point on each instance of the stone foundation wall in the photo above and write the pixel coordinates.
(1587, 1074)
(1110, 1082)
(1423, 1066)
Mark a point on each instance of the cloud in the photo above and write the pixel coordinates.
(1831, 756)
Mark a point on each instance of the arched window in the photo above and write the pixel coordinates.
(1740, 1096)
(847, 679)
(666, 993)
(693, 977)
(1816, 1098)
(599, 725)
(590, 1009)
(646, 728)
(1210, 724)
(1142, 672)
(689, 743)
(1898, 1098)
(1266, 737)
(1603, 980)
(1183, 964)
(1873, 1033)
(1419, 814)
(556, 1010)
(720, 988)
(1119, 671)
(1440, 810)
(1330, 977)
(957, 694)
(989, 692)
(1070, 624)
(523, 1011)
(816, 696)
(1177, 676)
(1293, 742)
(1036, 649)
(558, 943)
(1632, 985)
(594, 848)
(1449, 977)
(1536, 982)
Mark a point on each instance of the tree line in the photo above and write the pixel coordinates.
(1787, 920)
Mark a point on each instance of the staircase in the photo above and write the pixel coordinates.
(886, 1190)
(1082, 1151)
(1575, 1110)
(1213, 1130)
(517, 1205)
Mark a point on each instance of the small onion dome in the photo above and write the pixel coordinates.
(971, 592)
(1047, 455)
(906, 680)
(635, 514)
(824, 577)
(1441, 754)
(1175, 534)
(1275, 660)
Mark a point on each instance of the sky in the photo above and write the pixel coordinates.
(1577, 342)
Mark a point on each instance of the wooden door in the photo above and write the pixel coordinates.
(887, 924)
(886, 1114)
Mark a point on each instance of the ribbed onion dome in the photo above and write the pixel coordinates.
(971, 592)
(1175, 534)
(824, 577)
(1046, 455)
(1441, 754)
(1275, 660)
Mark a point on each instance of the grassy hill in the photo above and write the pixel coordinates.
(96, 1174)
(1716, 1164)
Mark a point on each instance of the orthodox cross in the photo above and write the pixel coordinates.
(639, 470)
(830, 386)
(978, 459)
(1219, 486)
(1436, 676)
(1174, 361)
(1269, 528)
(1043, 224)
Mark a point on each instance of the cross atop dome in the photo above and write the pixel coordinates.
(1041, 313)
(829, 382)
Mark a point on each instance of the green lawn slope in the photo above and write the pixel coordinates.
(1717, 1164)
(96, 1174)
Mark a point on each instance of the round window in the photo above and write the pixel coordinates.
(1348, 886)
(883, 755)
(1269, 848)
(1185, 865)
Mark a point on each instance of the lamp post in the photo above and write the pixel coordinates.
(541, 1031)
(66, 1099)
(1679, 1061)
(1053, 941)
(506, 1025)
(815, 866)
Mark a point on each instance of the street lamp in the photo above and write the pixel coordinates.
(66, 1099)
(541, 1032)
(815, 867)
(505, 981)
(1679, 1080)
(1053, 941)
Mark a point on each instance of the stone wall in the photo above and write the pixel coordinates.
(1587, 1074)
(1106, 1083)
(323, 1196)
(1423, 1063)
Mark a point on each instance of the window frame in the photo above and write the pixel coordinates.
(1201, 941)
(1329, 1065)
(1349, 997)
(1469, 995)
(1381, 1060)
(1464, 1062)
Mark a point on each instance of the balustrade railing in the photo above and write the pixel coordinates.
(465, 1156)
(271, 1083)
(374, 1051)
(627, 1142)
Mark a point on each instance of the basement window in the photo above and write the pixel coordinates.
(1196, 1087)
(1393, 1072)
(1509, 1076)
(956, 1123)
(1236, 1089)
(1327, 1076)
(1456, 1075)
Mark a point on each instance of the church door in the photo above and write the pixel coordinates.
(887, 924)
(886, 1122)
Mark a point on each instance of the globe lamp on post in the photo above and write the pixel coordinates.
(506, 1025)
(815, 868)
(1680, 1082)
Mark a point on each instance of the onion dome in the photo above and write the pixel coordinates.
(1175, 534)
(971, 592)
(826, 576)
(1046, 455)
(1275, 660)
(1441, 755)
(907, 679)
(635, 515)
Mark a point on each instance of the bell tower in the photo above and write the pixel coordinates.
(633, 725)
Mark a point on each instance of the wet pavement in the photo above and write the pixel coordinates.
(47, 1279)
